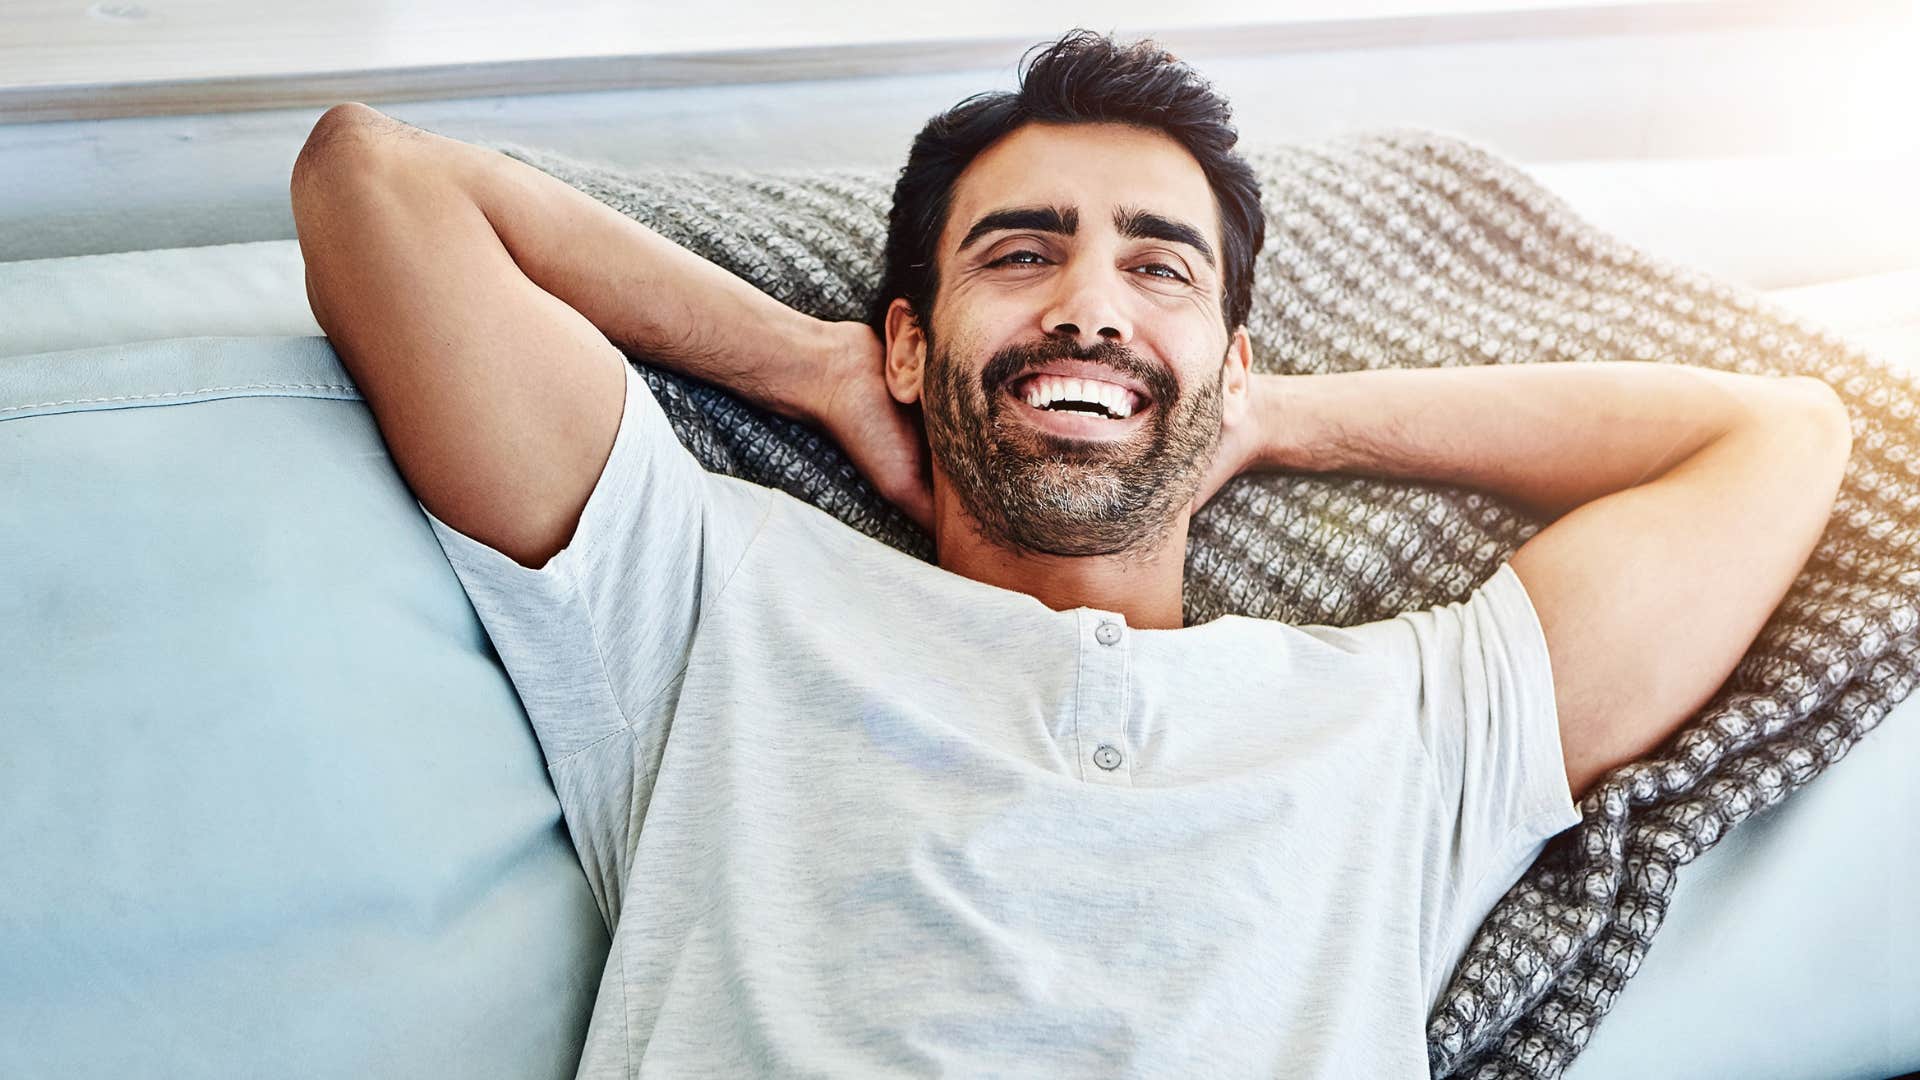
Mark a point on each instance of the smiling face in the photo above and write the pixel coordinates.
(1071, 253)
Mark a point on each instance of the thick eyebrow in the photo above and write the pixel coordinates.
(1146, 225)
(1063, 220)
(1049, 219)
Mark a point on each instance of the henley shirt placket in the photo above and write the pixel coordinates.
(1100, 710)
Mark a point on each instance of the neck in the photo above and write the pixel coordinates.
(1143, 587)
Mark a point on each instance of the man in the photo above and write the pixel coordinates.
(850, 814)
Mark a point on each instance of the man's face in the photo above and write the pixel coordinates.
(1091, 251)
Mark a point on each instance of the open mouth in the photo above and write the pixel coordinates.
(1077, 406)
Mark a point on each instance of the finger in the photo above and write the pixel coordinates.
(917, 484)
(920, 506)
(899, 484)
(908, 491)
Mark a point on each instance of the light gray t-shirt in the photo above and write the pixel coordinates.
(848, 814)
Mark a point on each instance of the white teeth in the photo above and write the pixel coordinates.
(1044, 390)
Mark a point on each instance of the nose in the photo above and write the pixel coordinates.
(1087, 306)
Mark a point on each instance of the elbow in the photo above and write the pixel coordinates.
(1833, 422)
(345, 135)
(1838, 421)
(345, 123)
(1802, 405)
(1826, 406)
(344, 150)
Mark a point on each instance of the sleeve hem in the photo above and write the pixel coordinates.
(1547, 752)
(601, 501)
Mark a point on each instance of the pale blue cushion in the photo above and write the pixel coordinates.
(1790, 948)
(269, 805)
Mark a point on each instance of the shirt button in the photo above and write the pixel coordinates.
(1107, 758)
(1107, 633)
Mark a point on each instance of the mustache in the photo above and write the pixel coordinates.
(1014, 359)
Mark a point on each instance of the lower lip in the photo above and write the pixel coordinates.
(1079, 425)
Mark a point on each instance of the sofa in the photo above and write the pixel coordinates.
(269, 804)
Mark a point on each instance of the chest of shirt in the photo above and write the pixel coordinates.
(911, 839)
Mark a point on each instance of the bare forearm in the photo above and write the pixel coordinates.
(644, 292)
(1548, 436)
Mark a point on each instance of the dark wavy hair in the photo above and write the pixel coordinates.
(1082, 78)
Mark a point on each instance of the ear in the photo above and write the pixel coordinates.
(906, 352)
(1236, 370)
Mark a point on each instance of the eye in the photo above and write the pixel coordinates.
(1009, 257)
(1171, 274)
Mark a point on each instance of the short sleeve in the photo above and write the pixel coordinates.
(1485, 709)
(606, 625)
(594, 639)
(1488, 719)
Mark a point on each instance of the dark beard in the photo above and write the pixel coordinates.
(1034, 491)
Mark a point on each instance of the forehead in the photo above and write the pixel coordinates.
(1095, 167)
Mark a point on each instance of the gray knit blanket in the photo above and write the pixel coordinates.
(1412, 248)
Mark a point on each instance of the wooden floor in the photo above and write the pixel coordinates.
(74, 60)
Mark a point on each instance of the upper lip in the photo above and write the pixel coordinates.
(1086, 369)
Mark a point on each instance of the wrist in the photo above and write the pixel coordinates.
(824, 357)
(798, 374)
(1278, 417)
(1293, 435)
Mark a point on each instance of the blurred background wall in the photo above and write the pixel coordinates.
(111, 111)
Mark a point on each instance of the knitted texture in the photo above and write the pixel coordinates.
(1413, 248)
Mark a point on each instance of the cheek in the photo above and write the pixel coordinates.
(1196, 386)
(948, 379)
(1204, 307)
(996, 312)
